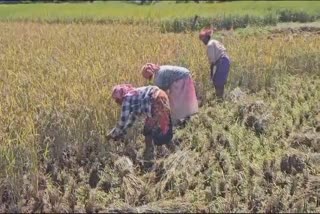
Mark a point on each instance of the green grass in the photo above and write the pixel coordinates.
(162, 10)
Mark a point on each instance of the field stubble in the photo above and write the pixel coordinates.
(241, 155)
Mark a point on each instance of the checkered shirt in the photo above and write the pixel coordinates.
(133, 106)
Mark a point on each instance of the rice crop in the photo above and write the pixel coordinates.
(258, 151)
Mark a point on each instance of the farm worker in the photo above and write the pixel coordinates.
(154, 104)
(218, 57)
(177, 81)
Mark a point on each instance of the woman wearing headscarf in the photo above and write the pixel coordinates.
(178, 83)
(154, 104)
(218, 57)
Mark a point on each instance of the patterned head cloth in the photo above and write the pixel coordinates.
(205, 32)
(149, 69)
(119, 92)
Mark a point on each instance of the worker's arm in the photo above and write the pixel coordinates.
(127, 119)
(211, 55)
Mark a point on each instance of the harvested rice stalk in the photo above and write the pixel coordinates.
(156, 207)
(132, 187)
(178, 171)
(124, 166)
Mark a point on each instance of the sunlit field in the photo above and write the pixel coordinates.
(258, 151)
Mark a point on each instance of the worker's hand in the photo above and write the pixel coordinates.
(211, 67)
(110, 136)
(115, 138)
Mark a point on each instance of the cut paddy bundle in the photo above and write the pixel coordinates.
(132, 187)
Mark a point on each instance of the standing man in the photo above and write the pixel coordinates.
(218, 57)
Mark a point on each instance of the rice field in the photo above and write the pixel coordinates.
(256, 152)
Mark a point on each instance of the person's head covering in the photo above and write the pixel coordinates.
(205, 32)
(149, 69)
(120, 91)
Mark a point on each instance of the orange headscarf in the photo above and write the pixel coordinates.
(205, 32)
(120, 91)
(149, 69)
